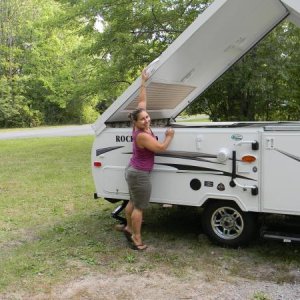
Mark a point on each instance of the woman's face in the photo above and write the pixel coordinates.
(143, 120)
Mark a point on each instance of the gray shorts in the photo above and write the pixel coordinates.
(139, 185)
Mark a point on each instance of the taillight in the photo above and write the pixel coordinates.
(248, 158)
(97, 164)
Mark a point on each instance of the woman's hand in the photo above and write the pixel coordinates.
(145, 76)
(145, 140)
(170, 132)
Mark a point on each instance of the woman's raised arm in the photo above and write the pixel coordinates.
(142, 101)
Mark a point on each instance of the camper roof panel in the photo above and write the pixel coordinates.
(219, 37)
(294, 9)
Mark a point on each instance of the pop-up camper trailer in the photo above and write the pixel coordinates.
(233, 170)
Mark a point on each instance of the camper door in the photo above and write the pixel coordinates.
(280, 172)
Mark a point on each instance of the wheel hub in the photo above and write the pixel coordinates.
(227, 223)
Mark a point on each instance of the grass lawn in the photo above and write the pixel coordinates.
(46, 206)
(51, 229)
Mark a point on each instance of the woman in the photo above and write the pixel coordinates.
(137, 174)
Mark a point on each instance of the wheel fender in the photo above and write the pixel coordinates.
(235, 201)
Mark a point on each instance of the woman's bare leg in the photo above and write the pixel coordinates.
(128, 213)
(136, 219)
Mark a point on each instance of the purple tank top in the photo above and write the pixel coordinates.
(142, 158)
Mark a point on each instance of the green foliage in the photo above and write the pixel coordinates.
(260, 296)
(44, 77)
(14, 109)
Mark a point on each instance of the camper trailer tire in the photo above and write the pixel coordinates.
(227, 225)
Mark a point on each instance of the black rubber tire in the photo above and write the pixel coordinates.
(227, 225)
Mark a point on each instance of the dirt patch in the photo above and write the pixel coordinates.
(153, 285)
(20, 237)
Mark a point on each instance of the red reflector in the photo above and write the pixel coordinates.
(248, 158)
(97, 164)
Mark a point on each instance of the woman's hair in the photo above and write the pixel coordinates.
(133, 116)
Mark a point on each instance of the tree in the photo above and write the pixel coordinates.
(14, 110)
(44, 70)
(134, 34)
(59, 69)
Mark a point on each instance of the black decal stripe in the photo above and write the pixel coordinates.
(288, 155)
(189, 155)
(107, 149)
(183, 168)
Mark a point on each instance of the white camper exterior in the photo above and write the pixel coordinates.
(233, 170)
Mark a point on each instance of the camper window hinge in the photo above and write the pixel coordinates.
(270, 143)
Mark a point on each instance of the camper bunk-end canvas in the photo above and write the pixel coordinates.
(234, 170)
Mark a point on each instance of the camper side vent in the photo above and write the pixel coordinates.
(163, 96)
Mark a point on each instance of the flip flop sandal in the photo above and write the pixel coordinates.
(140, 247)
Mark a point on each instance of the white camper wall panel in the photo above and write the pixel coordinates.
(280, 185)
(192, 155)
(206, 142)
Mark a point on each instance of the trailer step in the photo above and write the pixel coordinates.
(281, 236)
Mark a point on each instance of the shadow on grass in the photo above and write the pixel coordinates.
(176, 221)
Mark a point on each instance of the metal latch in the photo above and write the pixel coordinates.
(254, 144)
